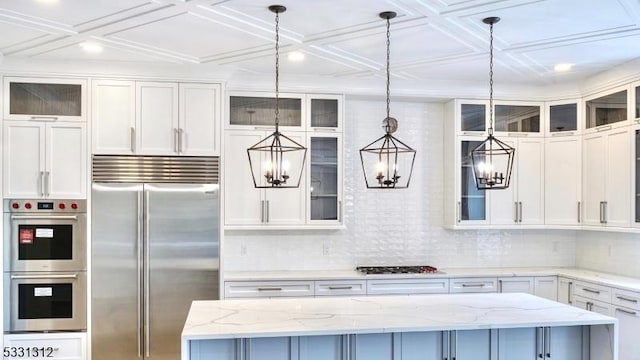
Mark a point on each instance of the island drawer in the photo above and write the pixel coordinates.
(407, 286)
(626, 298)
(592, 291)
(340, 287)
(263, 289)
(473, 285)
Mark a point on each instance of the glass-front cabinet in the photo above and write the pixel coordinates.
(563, 118)
(472, 203)
(45, 99)
(324, 197)
(603, 110)
(258, 110)
(325, 112)
(518, 118)
(636, 96)
(471, 117)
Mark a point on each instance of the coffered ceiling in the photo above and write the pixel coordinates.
(431, 40)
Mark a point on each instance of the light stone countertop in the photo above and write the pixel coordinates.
(618, 281)
(225, 319)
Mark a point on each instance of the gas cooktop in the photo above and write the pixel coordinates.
(419, 269)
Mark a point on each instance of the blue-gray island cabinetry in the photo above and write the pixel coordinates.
(425, 327)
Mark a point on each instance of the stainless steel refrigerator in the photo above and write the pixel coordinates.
(154, 249)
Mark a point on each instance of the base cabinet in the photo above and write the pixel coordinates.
(628, 326)
(551, 343)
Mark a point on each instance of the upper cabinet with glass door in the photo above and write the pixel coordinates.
(257, 110)
(471, 117)
(45, 99)
(604, 111)
(324, 112)
(636, 98)
(519, 118)
(563, 118)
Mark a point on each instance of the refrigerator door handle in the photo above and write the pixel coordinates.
(140, 199)
(147, 325)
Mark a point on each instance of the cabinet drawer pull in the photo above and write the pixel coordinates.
(627, 311)
(44, 118)
(473, 285)
(269, 289)
(324, 129)
(591, 291)
(604, 128)
(564, 133)
(340, 287)
(635, 301)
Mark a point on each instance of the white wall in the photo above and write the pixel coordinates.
(609, 252)
(396, 226)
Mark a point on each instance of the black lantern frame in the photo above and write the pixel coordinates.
(493, 159)
(277, 161)
(384, 159)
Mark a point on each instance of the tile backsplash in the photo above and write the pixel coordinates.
(402, 226)
(611, 252)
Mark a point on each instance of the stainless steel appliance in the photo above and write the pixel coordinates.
(45, 235)
(155, 232)
(417, 269)
(47, 301)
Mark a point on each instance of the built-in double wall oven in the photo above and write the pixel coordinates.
(45, 265)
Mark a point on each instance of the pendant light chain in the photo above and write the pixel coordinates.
(277, 69)
(491, 78)
(388, 76)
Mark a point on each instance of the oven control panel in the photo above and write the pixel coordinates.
(45, 206)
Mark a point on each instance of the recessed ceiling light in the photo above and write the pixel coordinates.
(48, 2)
(563, 67)
(91, 47)
(296, 56)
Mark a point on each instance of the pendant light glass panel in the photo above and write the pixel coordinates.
(277, 161)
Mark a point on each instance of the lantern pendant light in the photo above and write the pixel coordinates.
(493, 159)
(387, 162)
(277, 161)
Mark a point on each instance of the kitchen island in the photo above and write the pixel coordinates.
(461, 326)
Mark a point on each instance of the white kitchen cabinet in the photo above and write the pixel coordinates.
(518, 118)
(340, 287)
(61, 345)
(546, 287)
(324, 180)
(422, 345)
(606, 178)
(523, 202)
(272, 348)
(43, 99)
(325, 112)
(565, 287)
(407, 286)
(157, 129)
(599, 307)
(522, 284)
(556, 343)
(45, 159)
(113, 117)
(562, 180)
(246, 205)
(324, 347)
(628, 325)
(156, 118)
(473, 285)
(249, 110)
(262, 289)
(592, 291)
(372, 347)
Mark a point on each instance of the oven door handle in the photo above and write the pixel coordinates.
(44, 217)
(45, 276)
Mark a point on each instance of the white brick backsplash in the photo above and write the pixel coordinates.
(402, 226)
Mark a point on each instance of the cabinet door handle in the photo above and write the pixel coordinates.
(627, 312)
(635, 301)
(454, 345)
(515, 212)
(539, 342)
(601, 219)
(262, 211)
(41, 183)
(605, 214)
(269, 289)
(340, 287)
(47, 183)
(520, 210)
(591, 291)
(132, 139)
(339, 210)
(459, 211)
(267, 212)
(499, 286)
(603, 128)
(176, 139)
(180, 140)
(473, 285)
(44, 118)
(569, 292)
(547, 342)
(579, 211)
